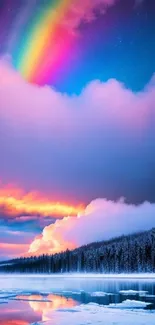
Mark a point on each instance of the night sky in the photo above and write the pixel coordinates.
(77, 110)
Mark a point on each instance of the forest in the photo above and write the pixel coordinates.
(125, 254)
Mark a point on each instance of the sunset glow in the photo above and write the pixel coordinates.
(13, 201)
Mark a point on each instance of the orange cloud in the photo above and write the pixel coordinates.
(14, 201)
(51, 245)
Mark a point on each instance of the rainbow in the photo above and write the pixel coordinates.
(45, 42)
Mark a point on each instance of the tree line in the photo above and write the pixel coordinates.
(126, 254)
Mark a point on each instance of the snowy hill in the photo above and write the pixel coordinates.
(127, 254)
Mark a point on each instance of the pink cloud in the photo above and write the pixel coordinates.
(43, 111)
(85, 11)
(81, 11)
(13, 250)
(101, 220)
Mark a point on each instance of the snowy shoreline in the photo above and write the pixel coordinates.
(94, 314)
(85, 275)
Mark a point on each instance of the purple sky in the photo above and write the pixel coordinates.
(89, 131)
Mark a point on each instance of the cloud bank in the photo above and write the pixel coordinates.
(104, 137)
(101, 220)
(43, 110)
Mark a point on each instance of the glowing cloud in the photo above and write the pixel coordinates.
(14, 202)
(101, 220)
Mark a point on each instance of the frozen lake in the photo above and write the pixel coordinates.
(58, 300)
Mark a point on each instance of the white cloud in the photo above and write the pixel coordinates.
(101, 220)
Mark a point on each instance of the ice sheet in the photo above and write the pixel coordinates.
(94, 314)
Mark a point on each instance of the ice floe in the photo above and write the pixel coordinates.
(133, 292)
(101, 294)
(127, 304)
(94, 314)
(72, 293)
(150, 296)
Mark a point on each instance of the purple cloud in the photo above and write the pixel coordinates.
(101, 220)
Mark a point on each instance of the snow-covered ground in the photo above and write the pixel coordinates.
(93, 314)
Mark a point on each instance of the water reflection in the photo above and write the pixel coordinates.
(36, 298)
(55, 302)
(32, 308)
(17, 313)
